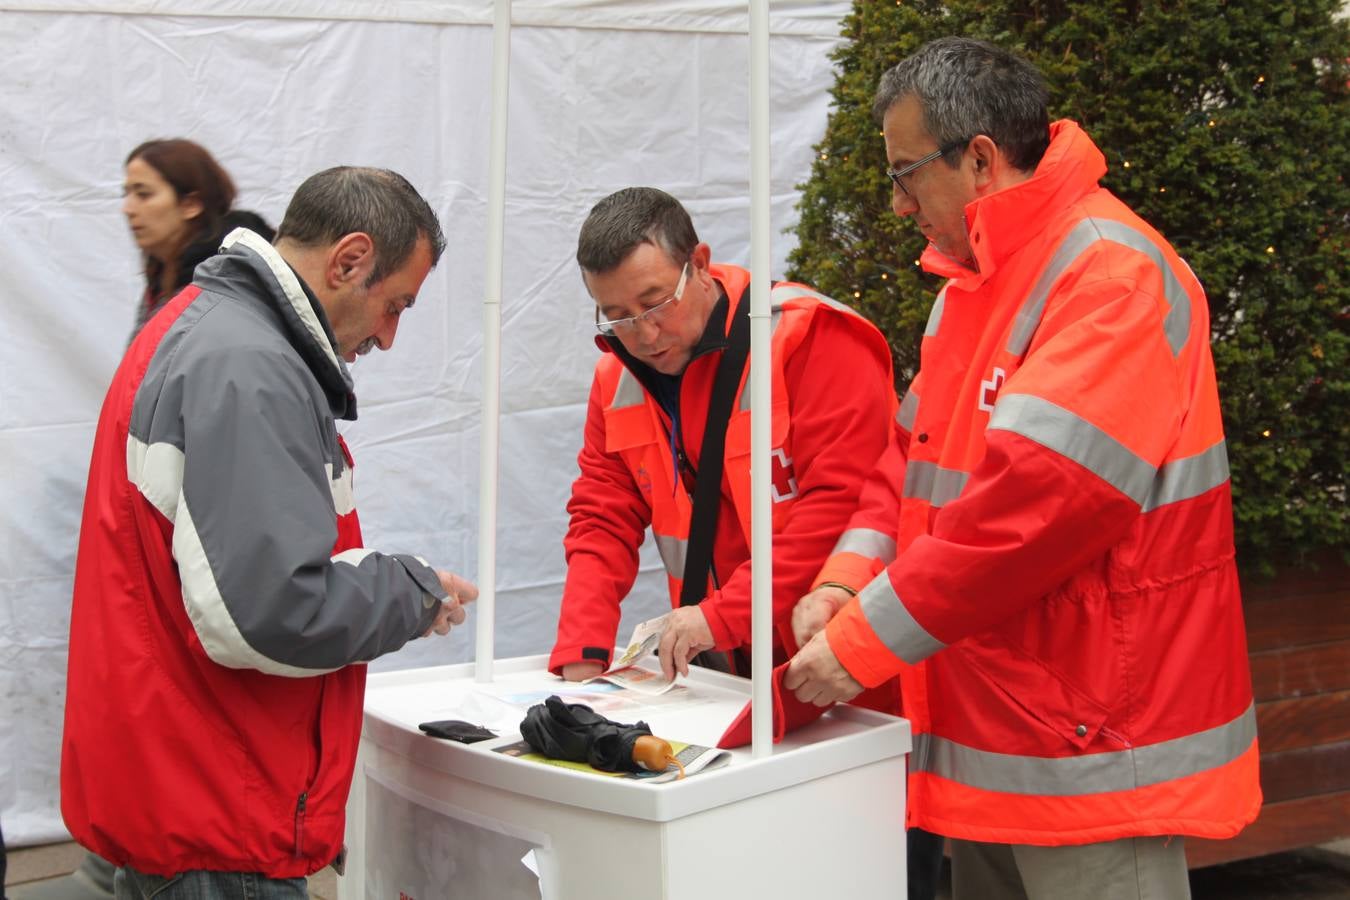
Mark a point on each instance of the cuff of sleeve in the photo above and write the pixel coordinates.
(424, 575)
(563, 656)
(857, 648)
(849, 569)
(430, 583)
(723, 636)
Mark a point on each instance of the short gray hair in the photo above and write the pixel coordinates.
(618, 224)
(378, 202)
(967, 87)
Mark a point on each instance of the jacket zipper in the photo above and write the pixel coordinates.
(317, 749)
(300, 824)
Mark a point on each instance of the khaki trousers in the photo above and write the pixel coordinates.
(1145, 868)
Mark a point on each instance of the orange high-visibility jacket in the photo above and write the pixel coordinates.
(1057, 546)
(829, 425)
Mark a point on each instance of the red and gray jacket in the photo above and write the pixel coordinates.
(222, 596)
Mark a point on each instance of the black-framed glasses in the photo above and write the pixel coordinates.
(896, 174)
(655, 314)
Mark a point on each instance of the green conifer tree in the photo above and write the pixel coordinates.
(1226, 125)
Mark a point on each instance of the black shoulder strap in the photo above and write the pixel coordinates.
(708, 489)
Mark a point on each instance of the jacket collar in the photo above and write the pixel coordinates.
(302, 316)
(1001, 223)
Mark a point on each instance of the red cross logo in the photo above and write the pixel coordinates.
(989, 390)
(783, 477)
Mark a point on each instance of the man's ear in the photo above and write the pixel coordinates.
(352, 259)
(701, 258)
(986, 160)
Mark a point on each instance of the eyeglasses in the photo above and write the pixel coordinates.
(897, 174)
(653, 315)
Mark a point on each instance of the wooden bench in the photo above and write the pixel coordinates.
(1298, 634)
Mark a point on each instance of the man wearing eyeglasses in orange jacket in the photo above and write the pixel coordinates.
(663, 312)
(1046, 557)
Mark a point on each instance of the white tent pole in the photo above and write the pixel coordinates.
(761, 470)
(492, 345)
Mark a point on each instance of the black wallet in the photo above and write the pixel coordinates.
(457, 730)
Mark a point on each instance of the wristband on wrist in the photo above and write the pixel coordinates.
(843, 587)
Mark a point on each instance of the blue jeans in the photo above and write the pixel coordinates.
(200, 884)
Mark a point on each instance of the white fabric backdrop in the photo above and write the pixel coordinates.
(604, 94)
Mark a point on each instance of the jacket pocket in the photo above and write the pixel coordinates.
(150, 886)
(314, 768)
(1038, 689)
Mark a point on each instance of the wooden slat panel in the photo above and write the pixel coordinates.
(1332, 574)
(1301, 671)
(1304, 722)
(1281, 826)
(1296, 620)
(1305, 772)
(1298, 634)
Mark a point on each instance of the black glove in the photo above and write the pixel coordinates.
(457, 730)
(573, 731)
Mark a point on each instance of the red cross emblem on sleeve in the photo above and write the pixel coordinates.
(989, 390)
(783, 478)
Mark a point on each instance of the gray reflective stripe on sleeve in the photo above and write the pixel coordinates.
(341, 486)
(1093, 773)
(935, 314)
(290, 286)
(1191, 476)
(908, 411)
(866, 542)
(892, 623)
(629, 392)
(929, 481)
(157, 471)
(779, 295)
(215, 627)
(782, 293)
(672, 550)
(1177, 323)
(1074, 437)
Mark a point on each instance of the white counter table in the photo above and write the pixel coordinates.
(822, 817)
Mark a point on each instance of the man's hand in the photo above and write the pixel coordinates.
(580, 671)
(814, 611)
(815, 675)
(686, 635)
(452, 613)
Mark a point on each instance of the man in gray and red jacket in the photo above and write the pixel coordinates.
(223, 601)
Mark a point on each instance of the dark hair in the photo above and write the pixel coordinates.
(636, 215)
(191, 171)
(378, 202)
(967, 88)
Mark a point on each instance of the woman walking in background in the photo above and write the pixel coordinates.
(179, 203)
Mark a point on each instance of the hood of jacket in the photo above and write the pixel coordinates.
(248, 265)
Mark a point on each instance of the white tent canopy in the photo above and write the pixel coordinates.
(603, 94)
